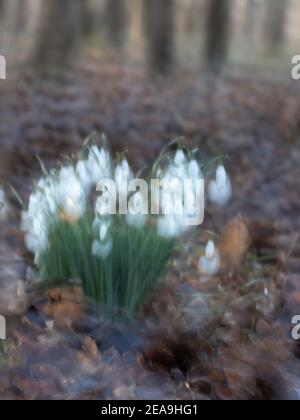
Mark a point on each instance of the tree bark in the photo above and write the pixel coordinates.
(159, 31)
(217, 32)
(116, 22)
(59, 33)
(275, 22)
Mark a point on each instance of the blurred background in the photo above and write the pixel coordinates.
(163, 35)
(216, 72)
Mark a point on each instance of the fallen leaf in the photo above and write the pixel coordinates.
(234, 244)
(64, 306)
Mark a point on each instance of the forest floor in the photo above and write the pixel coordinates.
(223, 338)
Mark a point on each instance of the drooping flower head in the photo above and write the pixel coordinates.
(220, 189)
(102, 244)
(96, 167)
(210, 262)
(3, 204)
(123, 176)
(137, 212)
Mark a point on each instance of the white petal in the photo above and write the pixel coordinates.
(221, 176)
(101, 250)
(167, 227)
(179, 158)
(210, 267)
(210, 250)
(103, 232)
(194, 170)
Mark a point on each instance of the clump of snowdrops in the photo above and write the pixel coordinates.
(117, 258)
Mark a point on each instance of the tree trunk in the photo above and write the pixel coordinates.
(159, 31)
(275, 22)
(1, 8)
(217, 32)
(116, 22)
(59, 33)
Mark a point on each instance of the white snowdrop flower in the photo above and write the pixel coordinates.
(3, 205)
(102, 250)
(190, 203)
(175, 172)
(123, 176)
(179, 158)
(34, 223)
(98, 165)
(220, 189)
(102, 245)
(99, 222)
(103, 209)
(172, 197)
(71, 197)
(65, 174)
(210, 263)
(50, 198)
(169, 227)
(123, 170)
(137, 216)
(38, 225)
(194, 171)
(103, 232)
(83, 175)
(159, 173)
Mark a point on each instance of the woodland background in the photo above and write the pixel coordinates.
(217, 72)
(166, 35)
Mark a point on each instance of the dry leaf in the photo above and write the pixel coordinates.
(234, 244)
(64, 306)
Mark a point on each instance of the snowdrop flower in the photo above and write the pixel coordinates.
(137, 213)
(34, 222)
(99, 165)
(175, 172)
(70, 195)
(83, 174)
(170, 227)
(47, 189)
(179, 158)
(194, 171)
(210, 262)
(220, 190)
(123, 175)
(101, 250)
(102, 246)
(95, 168)
(3, 205)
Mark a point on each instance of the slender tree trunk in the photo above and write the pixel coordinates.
(1, 8)
(250, 17)
(116, 15)
(159, 31)
(217, 32)
(17, 15)
(275, 22)
(59, 33)
(87, 18)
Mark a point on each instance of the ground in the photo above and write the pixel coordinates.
(222, 338)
